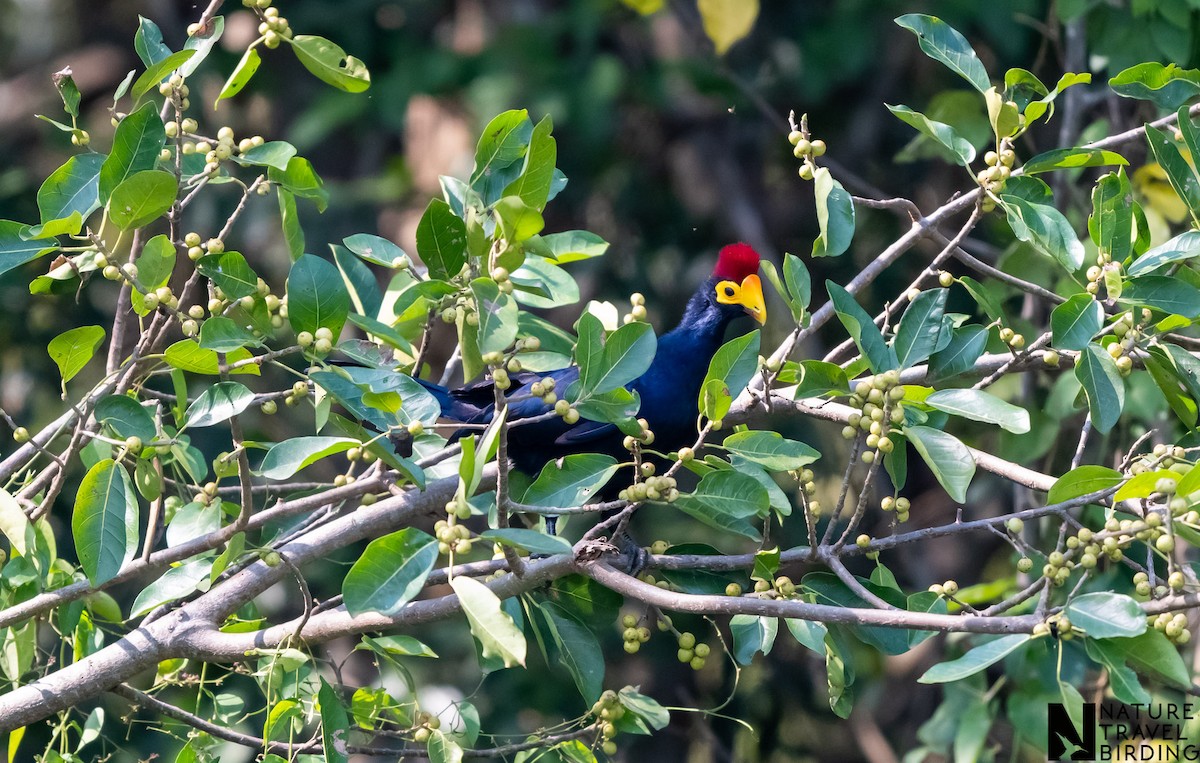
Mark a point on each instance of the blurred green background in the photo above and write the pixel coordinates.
(671, 152)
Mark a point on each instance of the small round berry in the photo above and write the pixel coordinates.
(21, 435)
(945, 278)
(818, 148)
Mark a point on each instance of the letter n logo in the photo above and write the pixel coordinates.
(1064, 741)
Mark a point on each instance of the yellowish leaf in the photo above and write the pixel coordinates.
(727, 21)
(645, 7)
(1150, 181)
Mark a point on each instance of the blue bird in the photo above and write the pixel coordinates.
(669, 389)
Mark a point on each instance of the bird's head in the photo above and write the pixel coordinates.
(736, 282)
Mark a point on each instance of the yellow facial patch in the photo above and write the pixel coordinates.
(748, 294)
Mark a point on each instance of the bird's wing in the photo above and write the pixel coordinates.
(587, 432)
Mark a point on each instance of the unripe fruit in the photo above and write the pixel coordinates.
(1006, 335)
(945, 279)
(269, 407)
(795, 136)
(1024, 564)
(733, 589)
(21, 435)
(818, 148)
(300, 389)
(1015, 525)
(1051, 359)
(323, 346)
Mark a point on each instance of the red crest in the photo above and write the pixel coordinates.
(735, 262)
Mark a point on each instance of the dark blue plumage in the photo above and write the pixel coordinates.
(668, 389)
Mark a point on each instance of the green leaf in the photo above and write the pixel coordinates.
(623, 357)
(290, 456)
(835, 215)
(218, 403)
(1152, 654)
(1185, 246)
(15, 525)
(105, 521)
(814, 377)
(947, 458)
(944, 44)
(240, 76)
(862, 330)
(72, 349)
(987, 303)
(1179, 173)
(126, 417)
(275, 153)
(330, 64)
(289, 219)
(1121, 679)
(795, 275)
(919, 332)
(203, 45)
(399, 645)
(175, 583)
(574, 245)
(978, 405)
(577, 648)
(518, 221)
(335, 724)
(136, 144)
(1083, 480)
(73, 187)
(1071, 158)
(771, 450)
(533, 186)
(502, 144)
(1075, 322)
(725, 500)
(148, 42)
(159, 71)
(808, 633)
(157, 262)
(316, 296)
(359, 281)
(380, 331)
(752, 634)
(645, 708)
(728, 373)
(1045, 228)
(533, 541)
(570, 481)
(390, 573)
(16, 251)
(1107, 615)
(193, 520)
(497, 313)
(941, 132)
(230, 272)
(374, 249)
(1142, 485)
(187, 355)
(1171, 295)
(1169, 87)
(1102, 384)
(492, 627)
(222, 334)
(67, 226)
(300, 179)
(141, 198)
(441, 240)
(1111, 222)
(975, 660)
(966, 346)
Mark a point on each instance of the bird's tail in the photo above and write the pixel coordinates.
(454, 407)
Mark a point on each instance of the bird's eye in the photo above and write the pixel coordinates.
(728, 291)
